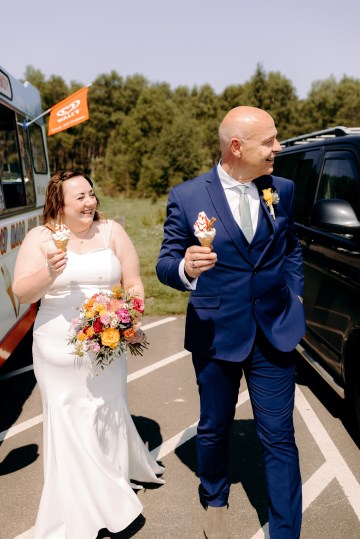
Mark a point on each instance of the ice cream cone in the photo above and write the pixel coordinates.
(61, 244)
(206, 242)
(204, 230)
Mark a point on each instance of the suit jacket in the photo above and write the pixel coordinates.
(251, 286)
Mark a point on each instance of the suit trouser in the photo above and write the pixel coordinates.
(270, 377)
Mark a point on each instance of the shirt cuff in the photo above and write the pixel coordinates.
(189, 285)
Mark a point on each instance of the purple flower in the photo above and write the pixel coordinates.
(123, 315)
(75, 325)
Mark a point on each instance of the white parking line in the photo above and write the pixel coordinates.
(15, 373)
(158, 323)
(157, 365)
(334, 466)
(185, 435)
(337, 466)
(6, 434)
(29, 534)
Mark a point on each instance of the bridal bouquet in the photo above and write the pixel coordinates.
(108, 322)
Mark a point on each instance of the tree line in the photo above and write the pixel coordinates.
(142, 138)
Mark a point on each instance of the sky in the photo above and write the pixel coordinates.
(185, 42)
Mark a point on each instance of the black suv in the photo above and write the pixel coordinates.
(325, 167)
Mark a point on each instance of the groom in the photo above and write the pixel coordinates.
(245, 313)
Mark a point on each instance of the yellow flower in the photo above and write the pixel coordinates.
(110, 337)
(89, 314)
(90, 331)
(117, 291)
(81, 336)
(268, 196)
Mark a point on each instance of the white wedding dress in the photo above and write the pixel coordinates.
(91, 446)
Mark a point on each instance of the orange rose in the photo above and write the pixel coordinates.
(129, 333)
(110, 337)
(89, 303)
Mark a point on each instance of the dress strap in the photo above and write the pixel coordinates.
(106, 228)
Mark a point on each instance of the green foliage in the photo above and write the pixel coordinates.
(143, 221)
(143, 138)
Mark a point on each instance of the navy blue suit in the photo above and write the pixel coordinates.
(245, 316)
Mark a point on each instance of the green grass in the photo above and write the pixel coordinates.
(143, 221)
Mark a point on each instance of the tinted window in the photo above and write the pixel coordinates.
(11, 175)
(341, 179)
(301, 167)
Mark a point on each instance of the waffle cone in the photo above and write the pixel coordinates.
(206, 242)
(61, 244)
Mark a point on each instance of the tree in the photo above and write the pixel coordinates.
(274, 93)
(348, 102)
(318, 111)
(143, 138)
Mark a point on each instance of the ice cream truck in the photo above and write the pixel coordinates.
(24, 175)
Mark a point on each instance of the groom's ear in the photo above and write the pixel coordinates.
(236, 147)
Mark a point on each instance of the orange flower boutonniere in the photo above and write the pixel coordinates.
(271, 198)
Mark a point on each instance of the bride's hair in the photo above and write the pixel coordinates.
(54, 197)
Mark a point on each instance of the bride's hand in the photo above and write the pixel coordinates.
(139, 337)
(56, 261)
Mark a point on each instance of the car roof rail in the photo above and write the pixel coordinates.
(324, 134)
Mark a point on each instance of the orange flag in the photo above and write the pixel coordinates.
(69, 112)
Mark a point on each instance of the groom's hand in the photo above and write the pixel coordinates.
(199, 259)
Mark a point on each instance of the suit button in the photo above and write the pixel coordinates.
(254, 272)
(255, 301)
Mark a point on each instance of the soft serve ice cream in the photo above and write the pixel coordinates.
(61, 237)
(204, 230)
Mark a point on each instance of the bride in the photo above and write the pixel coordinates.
(91, 447)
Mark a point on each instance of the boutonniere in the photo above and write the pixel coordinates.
(271, 198)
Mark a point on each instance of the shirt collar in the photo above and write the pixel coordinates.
(228, 182)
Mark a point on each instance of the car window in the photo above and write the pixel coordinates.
(340, 179)
(301, 167)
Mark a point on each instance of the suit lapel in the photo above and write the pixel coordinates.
(264, 182)
(218, 198)
(265, 225)
(224, 214)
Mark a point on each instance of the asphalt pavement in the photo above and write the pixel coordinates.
(164, 403)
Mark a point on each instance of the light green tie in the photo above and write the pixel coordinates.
(245, 215)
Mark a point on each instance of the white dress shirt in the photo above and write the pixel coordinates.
(233, 197)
